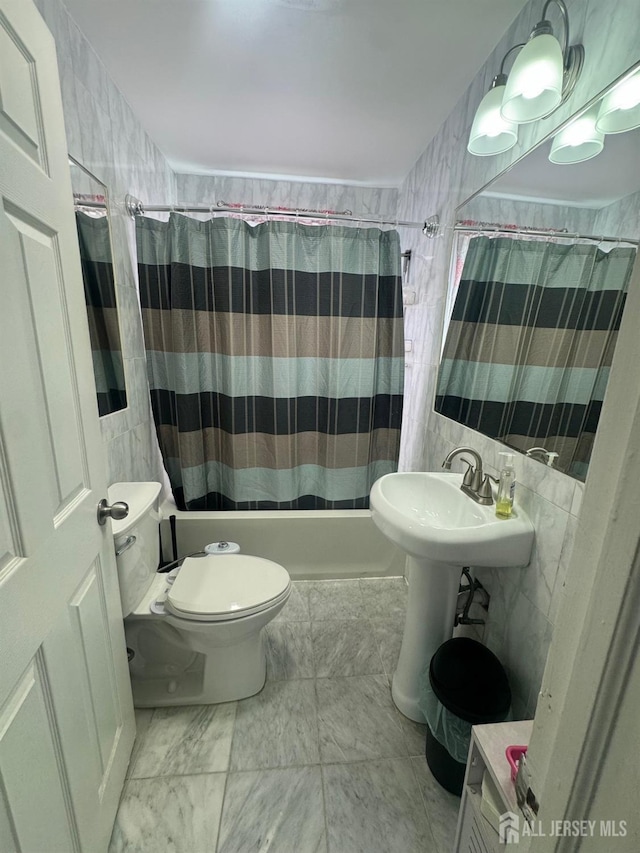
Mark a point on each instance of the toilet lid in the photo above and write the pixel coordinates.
(230, 584)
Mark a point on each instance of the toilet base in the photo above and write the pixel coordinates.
(224, 674)
(179, 661)
(184, 690)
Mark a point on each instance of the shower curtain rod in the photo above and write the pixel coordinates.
(537, 233)
(137, 208)
(98, 205)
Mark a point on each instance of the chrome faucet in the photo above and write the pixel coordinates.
(475, 483)
(542, 455)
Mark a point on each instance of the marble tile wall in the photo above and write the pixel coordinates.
(577, 220)
(106, 138)
(210, 189)
(524, 602)
(620, 219)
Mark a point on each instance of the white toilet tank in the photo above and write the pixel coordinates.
(136, 537)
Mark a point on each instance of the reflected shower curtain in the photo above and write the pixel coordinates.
(100, 295)
(530, 342)
(275, 359)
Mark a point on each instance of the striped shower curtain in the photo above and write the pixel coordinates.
(100, 295)
(275, 360)
(530, 343)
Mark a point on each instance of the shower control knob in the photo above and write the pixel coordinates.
(116, 511)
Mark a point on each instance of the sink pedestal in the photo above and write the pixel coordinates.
(441, 529)
(433, 594)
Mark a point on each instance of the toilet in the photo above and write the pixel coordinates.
(194, 635)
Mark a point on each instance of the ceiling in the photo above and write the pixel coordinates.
(344, 90)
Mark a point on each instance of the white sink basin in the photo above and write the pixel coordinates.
(427, 515)
(441, 530)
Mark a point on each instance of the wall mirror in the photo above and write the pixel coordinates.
(94, 239)
(541, 263)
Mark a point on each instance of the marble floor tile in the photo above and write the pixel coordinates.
(415, 736)
(174, 814)
(297, 607)
(276, 728)
(186, 740)
(143, 718)
(335, 600)
(280, 811)
(345, 648)
(442, 807)
(375, 807)
(289, 650)
(357, 719)
(384, 598)
(388, 634)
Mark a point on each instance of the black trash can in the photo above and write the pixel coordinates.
(470, 682)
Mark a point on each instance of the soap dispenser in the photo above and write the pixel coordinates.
(506, 487)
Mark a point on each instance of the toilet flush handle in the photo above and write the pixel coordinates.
(118, 510)
(128, 542)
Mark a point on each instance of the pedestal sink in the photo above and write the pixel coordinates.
(441, 530)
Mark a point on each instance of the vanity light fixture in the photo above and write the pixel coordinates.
(490, 132)
(620, 108)
(580, 140)
(544, 74)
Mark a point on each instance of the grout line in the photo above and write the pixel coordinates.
(182, 775)
(226, 777)
(424, 804)
(317, 711)
(324, 811)
(138, 743)
(382, 674)
(359, 578)
(271, 768)
(222, 804)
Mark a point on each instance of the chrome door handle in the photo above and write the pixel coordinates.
(117, 511)
(128, 542)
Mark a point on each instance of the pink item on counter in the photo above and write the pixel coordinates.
(514, 754)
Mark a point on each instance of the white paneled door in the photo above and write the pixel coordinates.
(66, 716)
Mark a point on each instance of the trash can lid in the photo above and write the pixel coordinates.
(470, 681)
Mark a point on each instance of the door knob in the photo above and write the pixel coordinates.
(117, 511)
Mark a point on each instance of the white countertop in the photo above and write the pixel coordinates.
(492, 739)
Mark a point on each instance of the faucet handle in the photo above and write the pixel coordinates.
(485, 487)
(472, 477)
(469, 474)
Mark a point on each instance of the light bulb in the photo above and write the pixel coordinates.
(620, 108)
(578, 131)
(579, 141)
(629, 94)
(490, 133)
(532, 90)
(534, 87)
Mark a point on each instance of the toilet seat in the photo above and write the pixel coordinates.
(223, 588)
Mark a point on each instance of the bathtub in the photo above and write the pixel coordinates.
(310, 544)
